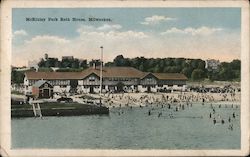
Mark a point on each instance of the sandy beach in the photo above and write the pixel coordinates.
(144, 99)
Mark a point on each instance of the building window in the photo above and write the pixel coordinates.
(91, 78)
(149, 79)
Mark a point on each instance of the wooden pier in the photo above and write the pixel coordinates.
(38, 109)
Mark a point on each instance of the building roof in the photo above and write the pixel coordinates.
(53, 75)
(115, 72)
(170, 76)
(124, 72)
(166, 76)
(39, 83)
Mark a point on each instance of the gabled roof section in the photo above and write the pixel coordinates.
(170, 76)
(166, 76)
(145, 74)
(40, 83)
(87, 74)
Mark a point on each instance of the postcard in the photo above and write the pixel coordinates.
(124, 78)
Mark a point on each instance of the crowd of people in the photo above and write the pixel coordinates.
(168, 105)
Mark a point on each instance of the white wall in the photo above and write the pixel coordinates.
(61, 89)
(141, 89)
(25, 81)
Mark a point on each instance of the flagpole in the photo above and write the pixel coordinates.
(101, 73)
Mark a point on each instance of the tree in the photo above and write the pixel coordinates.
(119, 60)
(197, 74)
(83, 64)
(201, 65)
(41, 63)
(194, 63)
(75, 64)
(109, 64)
(141, 67)
(157, 68)
(235, 64)
(17, 76)
(169, 62)
(187, 71)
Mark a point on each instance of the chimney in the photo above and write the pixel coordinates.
(94, 67)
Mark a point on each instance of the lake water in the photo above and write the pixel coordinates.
(127, 128)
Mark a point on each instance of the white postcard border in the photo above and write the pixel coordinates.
(5, 57)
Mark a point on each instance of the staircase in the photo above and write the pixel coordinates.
(37, 110)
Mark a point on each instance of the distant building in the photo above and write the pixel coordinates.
(212, 64)
(46, 56)
(115, 79)
(21, 69)
(67, 57)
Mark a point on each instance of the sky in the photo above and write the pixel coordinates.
(206, 33)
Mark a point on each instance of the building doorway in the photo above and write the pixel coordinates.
(148, 89)
(120, 86)
(91, 89)
(46, 93)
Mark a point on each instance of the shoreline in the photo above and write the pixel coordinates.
(141, 99)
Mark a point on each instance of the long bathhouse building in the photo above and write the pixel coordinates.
(114, 79)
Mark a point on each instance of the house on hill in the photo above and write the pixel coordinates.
(115, 79)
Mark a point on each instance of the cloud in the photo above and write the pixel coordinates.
(20, 33)
(131, 43)
(103, 28)
(34, 48)
(192, 31)
(85, 45)
(109, 32)
(107, 27)
(156, 19)
(47, 39)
